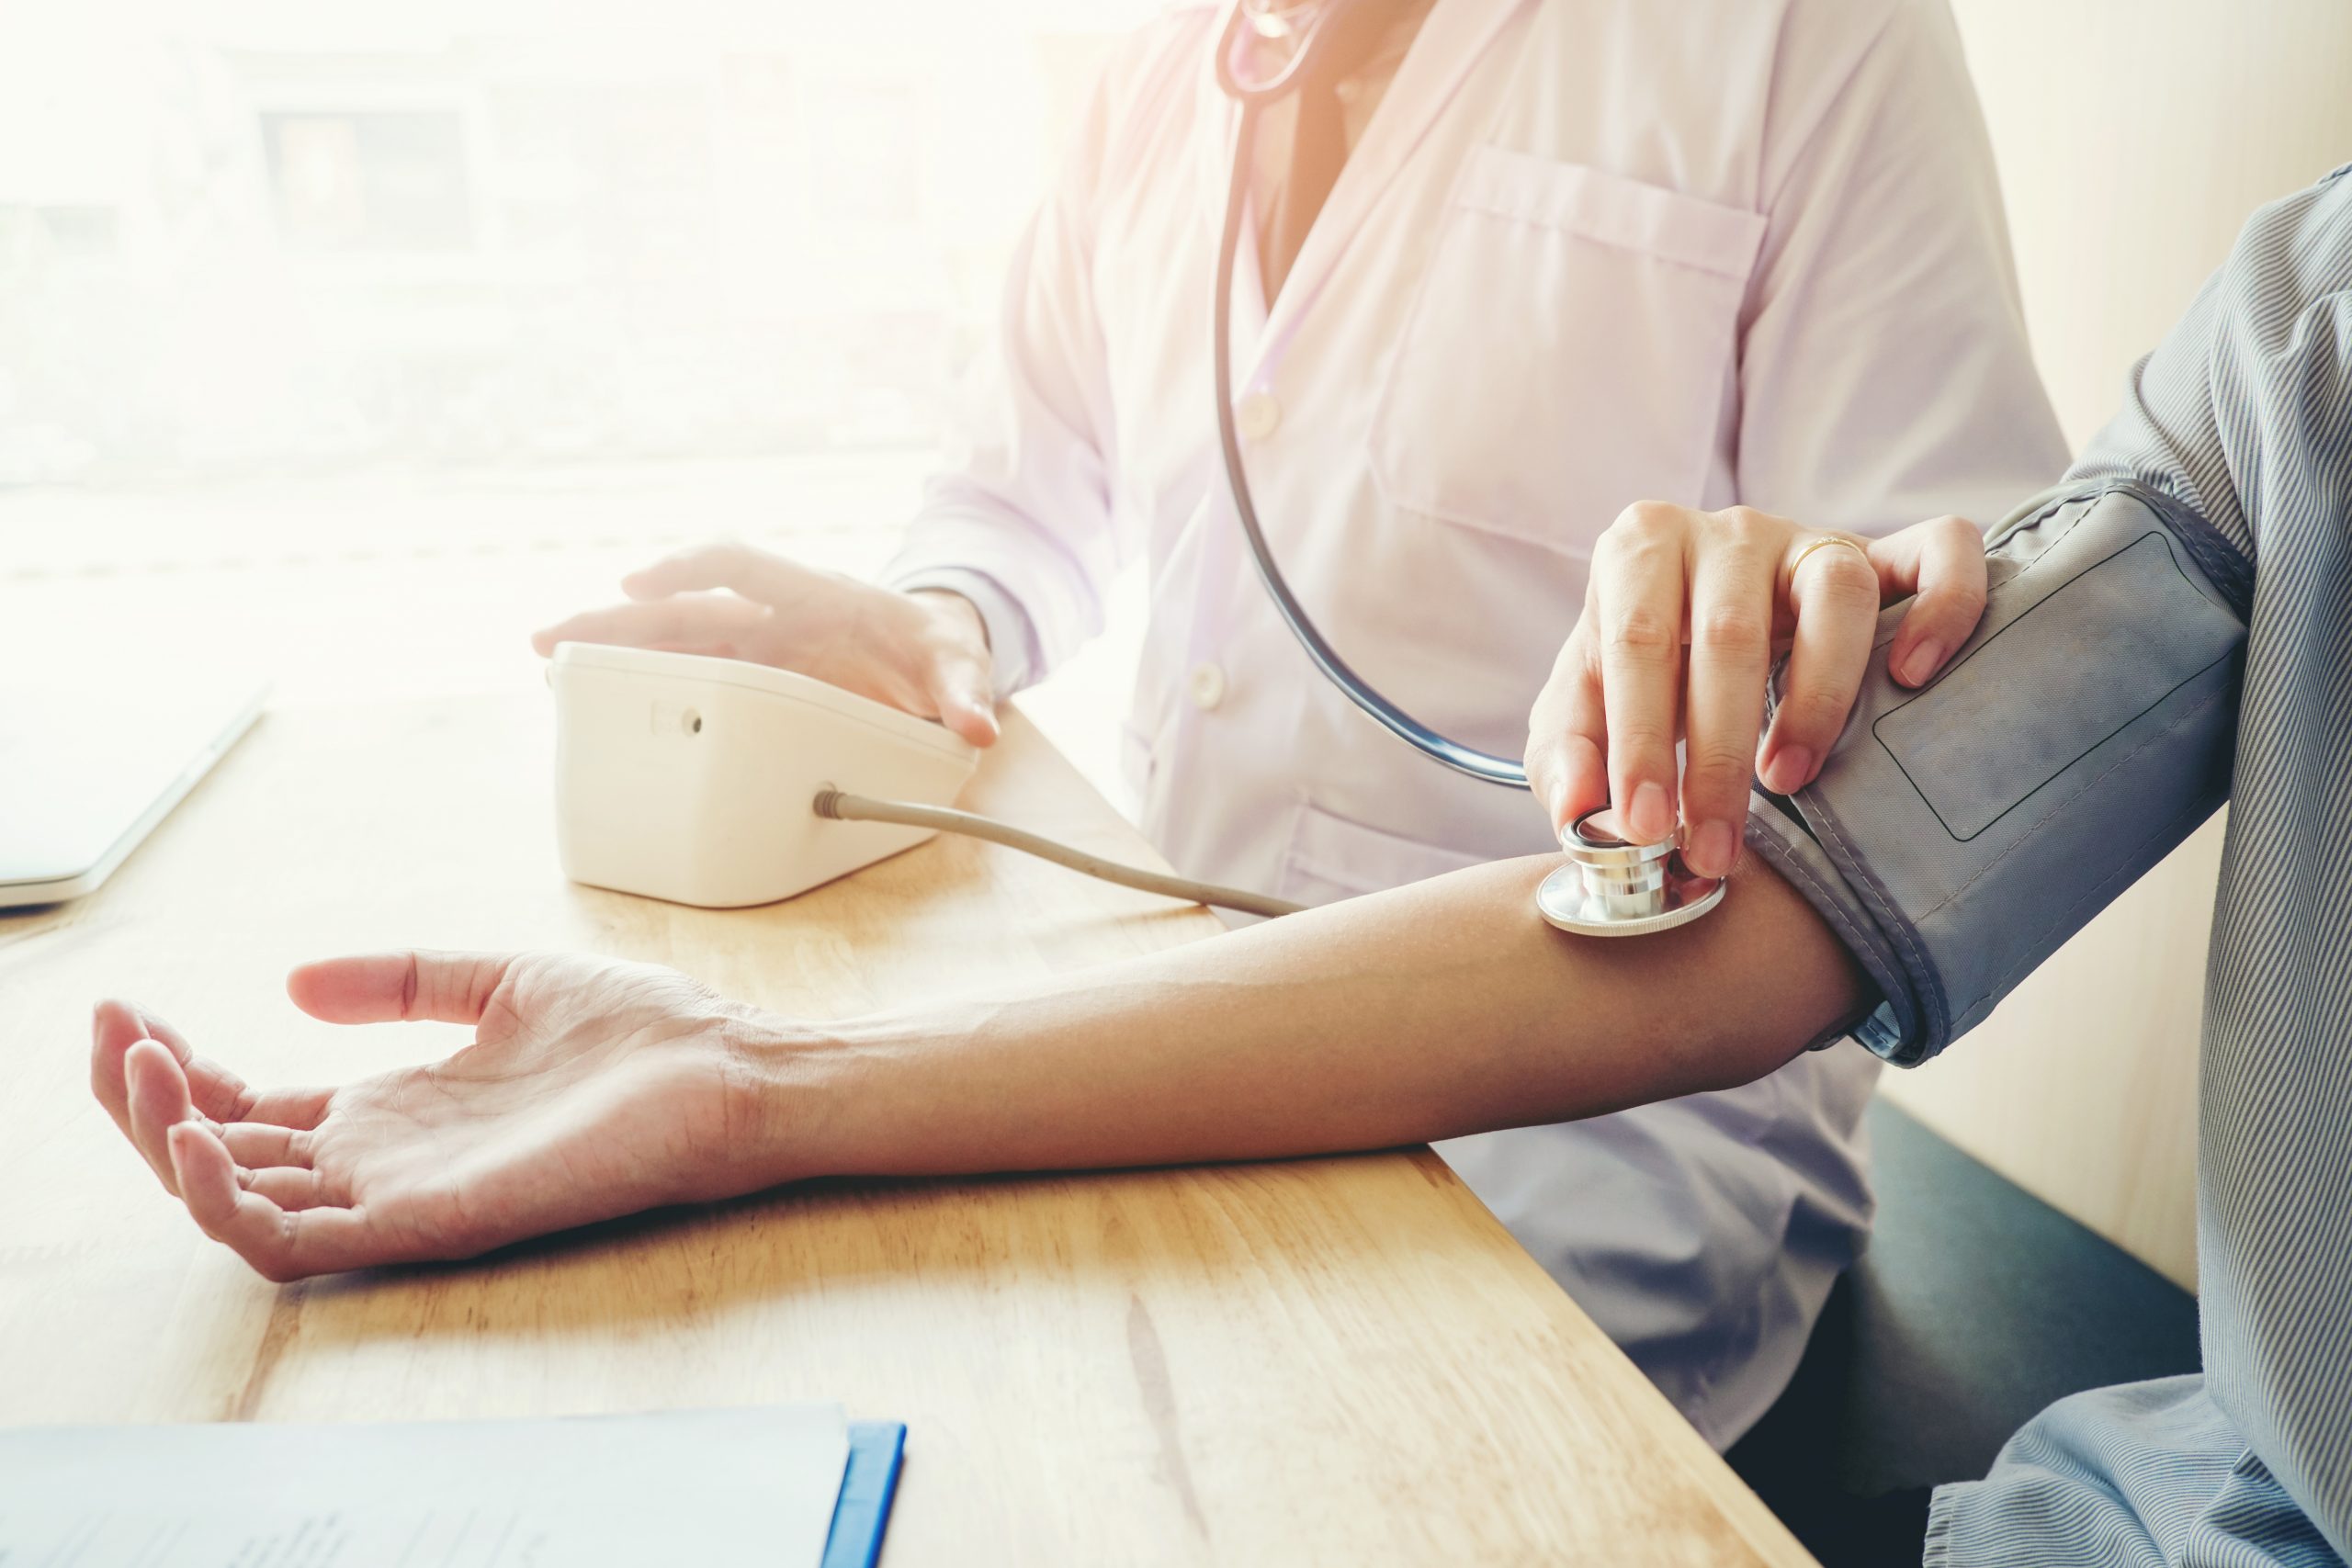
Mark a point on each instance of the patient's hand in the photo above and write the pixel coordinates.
(592, 1088)
(925, 652)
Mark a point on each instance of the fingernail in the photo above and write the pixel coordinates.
(1652, 818)
(1712, 849)
(1920, 663)
(1791, 768)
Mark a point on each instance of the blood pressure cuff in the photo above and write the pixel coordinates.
(1958, 834)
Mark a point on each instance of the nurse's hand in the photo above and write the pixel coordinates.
(591, 1089)
(927, 652)
(1683, 613)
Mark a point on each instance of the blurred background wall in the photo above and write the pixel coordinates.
(2133, 139)
(243, 237)
(344, 343)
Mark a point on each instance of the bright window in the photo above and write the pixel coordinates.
(354, 340)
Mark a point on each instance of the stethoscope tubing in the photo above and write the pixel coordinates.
(1396, 721)
(1259, 95)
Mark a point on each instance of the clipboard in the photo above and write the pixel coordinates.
(869, 1483)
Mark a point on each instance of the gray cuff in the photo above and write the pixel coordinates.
(1013, 656)
(1776, 834)
(1958, 835)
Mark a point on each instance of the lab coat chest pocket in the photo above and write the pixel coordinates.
(1566, 353)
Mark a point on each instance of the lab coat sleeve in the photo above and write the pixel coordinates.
(1959, 835)
(1885, 375)
(1018, 516)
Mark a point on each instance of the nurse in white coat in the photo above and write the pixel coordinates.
(1582, 252)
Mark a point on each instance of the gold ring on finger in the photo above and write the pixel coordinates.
(1823, 542)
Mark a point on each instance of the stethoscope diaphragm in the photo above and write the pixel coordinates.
(1612, 888)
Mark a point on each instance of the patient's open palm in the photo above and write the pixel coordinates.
(592, 1088)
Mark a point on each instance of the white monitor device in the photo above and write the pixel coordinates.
(86, 771)
(695, 779)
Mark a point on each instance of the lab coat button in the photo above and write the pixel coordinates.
(1257, 416)
(1208, 687)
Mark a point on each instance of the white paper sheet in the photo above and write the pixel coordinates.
(711, 1487)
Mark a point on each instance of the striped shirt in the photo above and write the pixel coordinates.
(2243, 415)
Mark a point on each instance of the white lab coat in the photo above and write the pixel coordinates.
(1587, 251)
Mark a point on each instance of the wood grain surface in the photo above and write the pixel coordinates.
(1331, 1360)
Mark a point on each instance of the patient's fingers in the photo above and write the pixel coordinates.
(302, 1108)
(113, 1030)
(158, 1100)
(256, 1144)
(1943, 563)
(117, 1026)
(280, 1244)
(378, 987)
(293, 1189)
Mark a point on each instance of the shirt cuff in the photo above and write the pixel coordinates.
(1013, 657)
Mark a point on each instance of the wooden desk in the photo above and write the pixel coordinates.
(1332, 1360)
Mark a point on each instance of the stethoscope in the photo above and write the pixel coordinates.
(1609, 887)
(1308, 23)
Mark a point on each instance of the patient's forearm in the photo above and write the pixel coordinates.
(1441, 1008)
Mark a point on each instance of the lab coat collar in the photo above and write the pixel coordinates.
(1452, 38)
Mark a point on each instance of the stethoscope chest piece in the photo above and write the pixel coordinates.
(1610, 887)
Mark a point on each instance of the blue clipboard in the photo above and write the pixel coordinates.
(868, 1483)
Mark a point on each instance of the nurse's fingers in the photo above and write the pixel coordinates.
(1942, 563)
(716, 624)
(733, 566)
(956, 671)
(1568, 735)
(1833, 592)
(959, 683)
(1637, 571)
(1733, 587)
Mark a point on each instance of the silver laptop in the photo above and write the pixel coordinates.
(87, 774)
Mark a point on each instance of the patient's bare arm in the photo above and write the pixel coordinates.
(1429, 1012)
(596, 1088)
